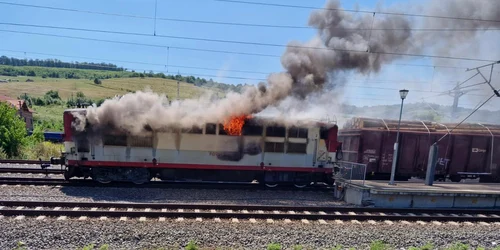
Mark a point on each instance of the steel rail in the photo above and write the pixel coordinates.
(29, 162)
(153, 184)
(247, 211)
(31, 171)
(249, 207)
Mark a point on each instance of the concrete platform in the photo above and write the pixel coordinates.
(416, 194)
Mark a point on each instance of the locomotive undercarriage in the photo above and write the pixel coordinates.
(139, 176)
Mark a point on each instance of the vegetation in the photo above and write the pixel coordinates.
(274, 246)
(52, 68)
(58, 64)
(192, 246)
(12, 131)
(15, 142)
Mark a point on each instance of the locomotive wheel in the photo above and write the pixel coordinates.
(301, 184)
(101, 175)
(271, 185)
(140, 176)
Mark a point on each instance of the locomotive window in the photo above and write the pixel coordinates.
(210, 129)
(115, 140)
(193, 130)
(296, 148)
(252, 130)
(275, 147)
(221, 130)
(276, 131)
(295, 132)
(83, 145)
(139, 141)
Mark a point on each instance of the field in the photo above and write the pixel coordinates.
(109, 88)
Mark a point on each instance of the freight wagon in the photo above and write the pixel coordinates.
(243, 149)
(470, 151)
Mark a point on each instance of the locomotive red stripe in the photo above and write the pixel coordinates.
(195, 166)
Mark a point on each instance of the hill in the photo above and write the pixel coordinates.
(48, 110)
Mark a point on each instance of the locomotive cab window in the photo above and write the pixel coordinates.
(211, 128)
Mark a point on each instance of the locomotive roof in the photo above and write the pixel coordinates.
(283, 121)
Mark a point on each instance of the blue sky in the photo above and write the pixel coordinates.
(395, 76)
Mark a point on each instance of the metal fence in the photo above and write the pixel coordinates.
(351, 171)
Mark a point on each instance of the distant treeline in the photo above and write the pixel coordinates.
(21, 67)
(54, 63)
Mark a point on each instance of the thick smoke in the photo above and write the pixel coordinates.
(344, 43)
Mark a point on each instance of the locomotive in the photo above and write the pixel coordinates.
(246, 149)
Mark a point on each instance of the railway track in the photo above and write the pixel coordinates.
(161, 211)
(31, 171)
(60, 182)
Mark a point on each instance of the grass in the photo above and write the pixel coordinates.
(108, 88)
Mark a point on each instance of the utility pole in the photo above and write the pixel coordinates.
(456, 93)
(177, 90)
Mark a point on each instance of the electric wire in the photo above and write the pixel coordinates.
(267, 25)
(223, 41)
(474, 111)
(358, 11)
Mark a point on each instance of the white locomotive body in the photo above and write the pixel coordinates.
(263, 152)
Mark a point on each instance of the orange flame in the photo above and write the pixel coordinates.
(235, 124)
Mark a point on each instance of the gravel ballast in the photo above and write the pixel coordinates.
(71, 234)
(168, 195)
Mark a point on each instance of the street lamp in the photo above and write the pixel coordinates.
(403, 94)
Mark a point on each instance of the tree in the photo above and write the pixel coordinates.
(12, 131)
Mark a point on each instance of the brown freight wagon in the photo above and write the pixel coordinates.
(465, 153)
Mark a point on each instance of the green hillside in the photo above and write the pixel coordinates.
(33, 83)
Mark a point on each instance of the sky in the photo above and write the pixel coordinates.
(425, 82)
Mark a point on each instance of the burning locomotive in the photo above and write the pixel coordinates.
(243, 149)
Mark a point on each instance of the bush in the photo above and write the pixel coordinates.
(3, 155)
(97, 81)
(191, 246)
(378, 245)
(274, 246)
(12, 131)
(42, 150)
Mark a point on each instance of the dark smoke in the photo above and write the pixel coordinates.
(344, 43)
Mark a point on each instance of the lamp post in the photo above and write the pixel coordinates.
(403, 94)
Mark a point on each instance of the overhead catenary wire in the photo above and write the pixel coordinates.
(214, 69)
(138, 62)
(225, 41)
(155, 18)
(357, 11)
(474, 111)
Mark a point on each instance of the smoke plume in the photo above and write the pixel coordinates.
(345, 42)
